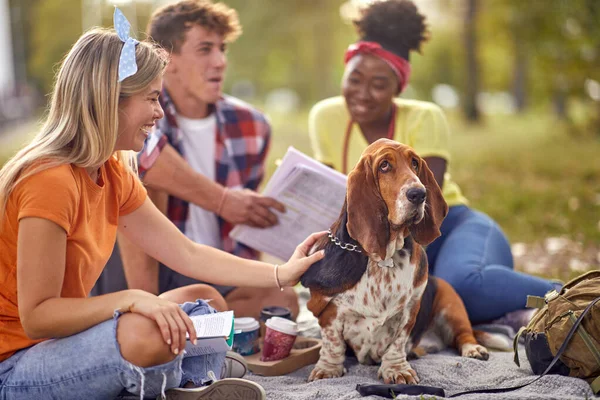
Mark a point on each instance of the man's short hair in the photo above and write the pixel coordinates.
(168, 24)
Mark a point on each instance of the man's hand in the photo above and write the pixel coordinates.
(250, 208)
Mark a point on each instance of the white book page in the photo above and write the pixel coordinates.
(206, 346)
(294, 158)
(313, 195)
(213, 325)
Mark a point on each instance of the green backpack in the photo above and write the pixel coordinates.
(564, 335)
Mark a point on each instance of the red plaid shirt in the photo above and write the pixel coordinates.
(242, 141)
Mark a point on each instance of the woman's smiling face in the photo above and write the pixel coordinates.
(137, 115)
(368, 86)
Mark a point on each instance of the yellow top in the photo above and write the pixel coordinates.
(421, 125)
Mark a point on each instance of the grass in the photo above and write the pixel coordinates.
(526, 172)
(532, 177)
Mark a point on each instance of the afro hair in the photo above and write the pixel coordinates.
(396, 25)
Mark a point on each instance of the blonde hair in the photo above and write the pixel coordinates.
(82, 123)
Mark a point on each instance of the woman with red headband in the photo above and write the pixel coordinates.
(472, 254)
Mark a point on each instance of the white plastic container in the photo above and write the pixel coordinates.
(246, 341)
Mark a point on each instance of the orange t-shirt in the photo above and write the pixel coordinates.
(86, 210)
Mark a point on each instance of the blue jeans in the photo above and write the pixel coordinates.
(474, 256)
(89, 365)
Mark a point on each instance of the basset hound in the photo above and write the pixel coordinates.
(372, 291)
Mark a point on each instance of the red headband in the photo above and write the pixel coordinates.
(399, 65)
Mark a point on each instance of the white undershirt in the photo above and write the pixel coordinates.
(198, 143)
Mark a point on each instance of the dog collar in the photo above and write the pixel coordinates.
(344, 246)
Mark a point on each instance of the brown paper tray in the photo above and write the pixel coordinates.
(304, 352)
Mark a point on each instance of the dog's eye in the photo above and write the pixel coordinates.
(385, 166)
(415, 164)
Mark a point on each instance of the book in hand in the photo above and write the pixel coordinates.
(313, 195)
(214, 334)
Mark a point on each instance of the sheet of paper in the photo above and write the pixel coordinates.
(213, 325)
(295, 157)
(313, 195)
(206, 346)
(214, 333)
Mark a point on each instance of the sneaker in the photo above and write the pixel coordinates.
(224, 389)
(234, 366)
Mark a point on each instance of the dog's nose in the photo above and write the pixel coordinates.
(416, 195)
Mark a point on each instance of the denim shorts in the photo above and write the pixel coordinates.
(89, 365)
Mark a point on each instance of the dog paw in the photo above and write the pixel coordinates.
(325, 372)
(475, 351)
(398, 373)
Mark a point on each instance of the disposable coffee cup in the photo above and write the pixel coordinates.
(246, 341)
(270, 312)
(279, 339)
(275, 311)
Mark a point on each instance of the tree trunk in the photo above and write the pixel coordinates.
(18, 15)
(323, 58)
(520, 74)
(560, 105)
(472, 85)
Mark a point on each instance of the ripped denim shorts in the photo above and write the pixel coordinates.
(89, 365)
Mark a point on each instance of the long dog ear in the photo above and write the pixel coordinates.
(367, 212)
(436, 208)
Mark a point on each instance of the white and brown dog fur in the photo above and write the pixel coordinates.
(380, 301)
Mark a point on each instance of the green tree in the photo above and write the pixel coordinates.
(555, 48)
(56, 25)
(294, 44)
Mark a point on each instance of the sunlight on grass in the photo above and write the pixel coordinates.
(14, 138)
(532, 177)
(526, 172)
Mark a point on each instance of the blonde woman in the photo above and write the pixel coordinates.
(63, 198)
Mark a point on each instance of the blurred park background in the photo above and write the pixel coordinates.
(518, 79)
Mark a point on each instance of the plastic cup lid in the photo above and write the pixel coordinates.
(245, 324)
(275, 311)
(283, 325)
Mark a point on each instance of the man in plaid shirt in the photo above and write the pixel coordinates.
(207, 153)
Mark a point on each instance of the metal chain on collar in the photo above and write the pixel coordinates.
(345, 246)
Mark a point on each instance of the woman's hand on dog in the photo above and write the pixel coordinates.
(289, 273)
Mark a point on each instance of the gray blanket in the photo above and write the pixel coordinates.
(446, 370)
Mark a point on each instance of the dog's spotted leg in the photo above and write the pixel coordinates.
(332, 354)
(394, 365)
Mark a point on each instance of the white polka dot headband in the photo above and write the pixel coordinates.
(127, 64)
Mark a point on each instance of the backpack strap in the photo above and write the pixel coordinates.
(535, 302)
(586, 338)
(596, 385)
(540, 302)
(516, 345)
(532, 302)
